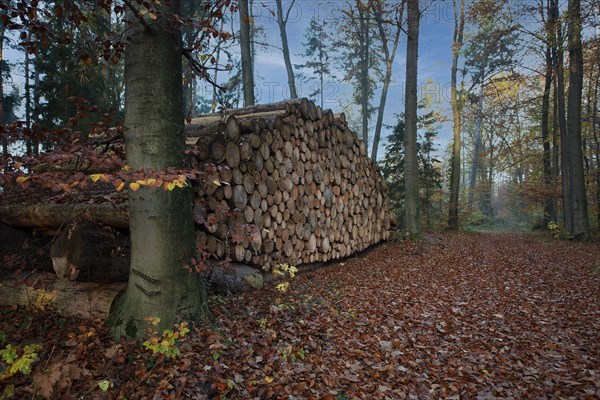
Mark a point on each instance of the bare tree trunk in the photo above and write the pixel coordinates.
(558, 59)
(477, 146)
(161, 221)
(364, 71)
(247, 71)
(4, 141)
(457, 42)
(282, 22)
(555, 152)
(549, 211)
(581, 224)
(389, 61)
(411, 168)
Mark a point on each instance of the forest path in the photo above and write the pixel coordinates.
(462, 315)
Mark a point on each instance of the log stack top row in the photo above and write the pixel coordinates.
(299, 180)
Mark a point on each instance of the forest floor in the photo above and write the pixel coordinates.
(462, 316)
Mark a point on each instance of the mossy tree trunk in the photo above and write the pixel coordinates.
(161, 222)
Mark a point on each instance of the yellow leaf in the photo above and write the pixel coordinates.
(217, 182)
(143, 11)
(22, 179)
(120, 186)
(95, 177)
(485, 371)
(170, 186)
(179, 183)
(152, 15)
(142, 182)
(127, 168)
(150, 181)
(269, 379)
(134, 186)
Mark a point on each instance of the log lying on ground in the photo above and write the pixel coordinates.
(57, 215)
(88, 252)
(44, 289)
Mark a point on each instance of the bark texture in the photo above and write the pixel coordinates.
(457, 42)
(410, 139)
(161, 222)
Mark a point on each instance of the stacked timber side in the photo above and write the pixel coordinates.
(301, 181)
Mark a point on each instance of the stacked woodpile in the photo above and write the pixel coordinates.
(298, 177)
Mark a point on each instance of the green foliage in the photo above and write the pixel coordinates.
(430, 175)
(558, 231)
(166, 344)
(12, 363)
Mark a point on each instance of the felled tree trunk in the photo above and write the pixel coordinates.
(45, 290)
(57, 215)
(88, 252)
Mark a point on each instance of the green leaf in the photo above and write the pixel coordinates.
(104, 385)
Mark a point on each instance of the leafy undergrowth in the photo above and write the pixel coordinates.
(460, 316)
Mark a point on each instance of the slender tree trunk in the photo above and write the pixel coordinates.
(281, 21)
(246, 51)
(581, 224)
(558, 59)
(4, 140)
(477, 146)
(549, 211)
(457, 42)
(364, 71)
(555, 152)
(382, 101)
(389, 61)
(161, 221)
(595, 129)
(411, 172)
(213, 104)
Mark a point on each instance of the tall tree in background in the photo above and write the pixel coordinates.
(161, 221)
(246, 52)
(315, 49)
(580, 228)
(457, 42)
(411, 168)
(386, 29)
(490, 50)
(559, 74)
(282, 22)
(359, 56)
(550, 213)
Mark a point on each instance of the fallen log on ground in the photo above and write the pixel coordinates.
(57, 215)
(46, 290)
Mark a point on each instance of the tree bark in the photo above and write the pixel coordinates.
(364, 71)
(4, 141)
(161, 222)
(581, 225)
(558, 60)
(410, 139)
(549, 205)
(56, 215)
(457, 42)
(389, 61)
(477, 146)
(247, 71)
(282, 22)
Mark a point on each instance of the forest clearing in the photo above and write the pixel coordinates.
(463, 316)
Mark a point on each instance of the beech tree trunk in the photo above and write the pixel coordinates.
(457, 42)
(410, 139)
(477, 146)
(282, 22)
(549, 204)
(580, 228)
(246, 52)
(161, 222)
(558, 60)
